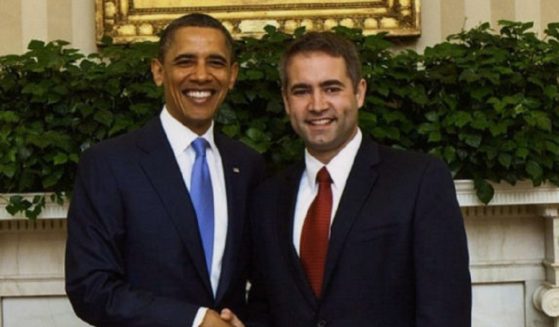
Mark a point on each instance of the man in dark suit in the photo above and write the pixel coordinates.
(356, 234)
(156, 228)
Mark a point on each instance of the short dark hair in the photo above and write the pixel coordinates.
(326, 42)
(193, 20)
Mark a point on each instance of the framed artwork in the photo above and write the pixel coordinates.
(133, 20)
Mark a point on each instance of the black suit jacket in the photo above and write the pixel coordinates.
(134, 255)
(397, 253)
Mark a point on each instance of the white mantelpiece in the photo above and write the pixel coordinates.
(522, 193)
(514, 254)
(52, 209)
(32, 269)
(513, 244)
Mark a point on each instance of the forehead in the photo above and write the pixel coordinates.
(199, 40)
(315, 67)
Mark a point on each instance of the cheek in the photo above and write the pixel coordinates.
(177, 77)
(348, 109)
(296, 116)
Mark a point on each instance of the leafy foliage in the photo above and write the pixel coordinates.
(484, 102)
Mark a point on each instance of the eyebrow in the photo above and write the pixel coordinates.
(192, 56)
(327, 83)
(331, 82)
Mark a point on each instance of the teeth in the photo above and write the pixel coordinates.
(323, 121)
(199, 94)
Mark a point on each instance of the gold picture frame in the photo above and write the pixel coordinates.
(137, 20)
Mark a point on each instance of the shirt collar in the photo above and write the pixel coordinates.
(339, 167)
(180, 137)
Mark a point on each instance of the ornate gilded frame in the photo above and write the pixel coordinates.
(134, 20)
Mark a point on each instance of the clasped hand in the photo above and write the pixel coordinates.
(224, 319)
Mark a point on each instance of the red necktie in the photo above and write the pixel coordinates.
(314, 237)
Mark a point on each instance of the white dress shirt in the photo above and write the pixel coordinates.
(180, 138)
(339, 168)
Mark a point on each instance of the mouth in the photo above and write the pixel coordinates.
(320, 121)
(198, 96)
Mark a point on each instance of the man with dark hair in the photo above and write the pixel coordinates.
(193, 20)
(156, 228)
(356, 234)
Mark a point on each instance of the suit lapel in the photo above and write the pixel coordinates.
(160, 166)
(287, 198)
(357, 189)
(233, 173)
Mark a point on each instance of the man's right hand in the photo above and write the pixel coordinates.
(230, 317)
(212, 319)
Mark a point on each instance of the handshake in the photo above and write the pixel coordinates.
(226, 319)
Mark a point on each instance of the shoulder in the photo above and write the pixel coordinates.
(403, 167)
(238, 150)
(407, 158)
(414, 168)
(125, 146)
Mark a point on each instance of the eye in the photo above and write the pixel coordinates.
(216, 63)
(183, 62)
(332, 89)
(300, 91)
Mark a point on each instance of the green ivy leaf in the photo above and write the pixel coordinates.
(552, 147)
(484, 190)
(472, 140)
(522, 153)
(534, 170)
(60, 158)
(104, 117)
(9, 117)
(505, 160)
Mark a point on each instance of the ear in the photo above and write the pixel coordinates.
(360, 93)
(157, 72)
(234, 74)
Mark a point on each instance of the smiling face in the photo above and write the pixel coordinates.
(321, 102)
(197, 72)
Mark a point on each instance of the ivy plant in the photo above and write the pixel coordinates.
(484, 101)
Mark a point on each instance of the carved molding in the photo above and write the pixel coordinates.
(35, 285)
(500, 211)
(546, 299)
(506, 194)
(139, 20)
(519, 197)
(40, 225)
(500, 271)
(52, 210)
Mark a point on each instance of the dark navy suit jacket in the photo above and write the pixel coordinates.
(397, 253)
(134, 255)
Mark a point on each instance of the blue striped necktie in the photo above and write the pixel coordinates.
(201, 194)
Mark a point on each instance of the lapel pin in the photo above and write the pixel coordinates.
(236, 170)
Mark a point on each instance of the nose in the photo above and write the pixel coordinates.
(201, 73)
(318, 101)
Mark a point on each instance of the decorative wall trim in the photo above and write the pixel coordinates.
(139, 20)
(47, 225)
(52, 210)
(36, 285)
(500, 211)
(523, 193)
(506, 194)
(506, 271)
(546, 299)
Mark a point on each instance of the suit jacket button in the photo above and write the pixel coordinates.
(321, 323)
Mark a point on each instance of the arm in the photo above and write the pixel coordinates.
(443, 287)
(258, 306)
(96, 280)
